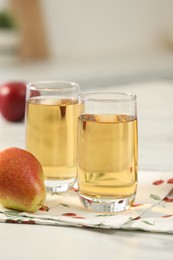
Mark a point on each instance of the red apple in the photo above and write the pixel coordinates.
(12, 100)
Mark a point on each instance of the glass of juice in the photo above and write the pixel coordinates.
(51, 130)
(107, 157)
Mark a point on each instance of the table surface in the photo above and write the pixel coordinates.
(155, 117)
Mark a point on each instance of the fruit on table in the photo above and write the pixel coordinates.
(12, 100)
(21, 180)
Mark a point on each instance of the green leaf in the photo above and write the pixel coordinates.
(65, 205)
(155, 197)
(11, 213)
(99, 225)
(147, 222)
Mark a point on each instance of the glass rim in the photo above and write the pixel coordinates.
(45, 85)
(85, 96)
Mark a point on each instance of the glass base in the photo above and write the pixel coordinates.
(56, 186)
(107, 205)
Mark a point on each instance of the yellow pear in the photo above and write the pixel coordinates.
(21, 180)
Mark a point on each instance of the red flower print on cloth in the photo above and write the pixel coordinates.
(69, 214)
(28, 222)
(167, 216)
(137, 205)
(11, 221)
(170, 181)
(73, 215)
(166, 199)
(19, 221)
(137, 218)
(158, 182)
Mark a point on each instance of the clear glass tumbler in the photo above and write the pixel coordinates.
(107, 155)
(52, 110)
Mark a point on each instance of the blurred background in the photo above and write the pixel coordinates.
(124, 45)
(95, 42)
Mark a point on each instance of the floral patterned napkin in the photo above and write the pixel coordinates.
(152, 210)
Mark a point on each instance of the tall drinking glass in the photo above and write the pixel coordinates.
(107, 156)
(51, 130)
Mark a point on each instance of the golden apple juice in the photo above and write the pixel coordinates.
(107, 163)
(51, 133)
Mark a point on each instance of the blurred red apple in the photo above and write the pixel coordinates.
(12, 100)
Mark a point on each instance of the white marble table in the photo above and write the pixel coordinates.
(155, 112)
